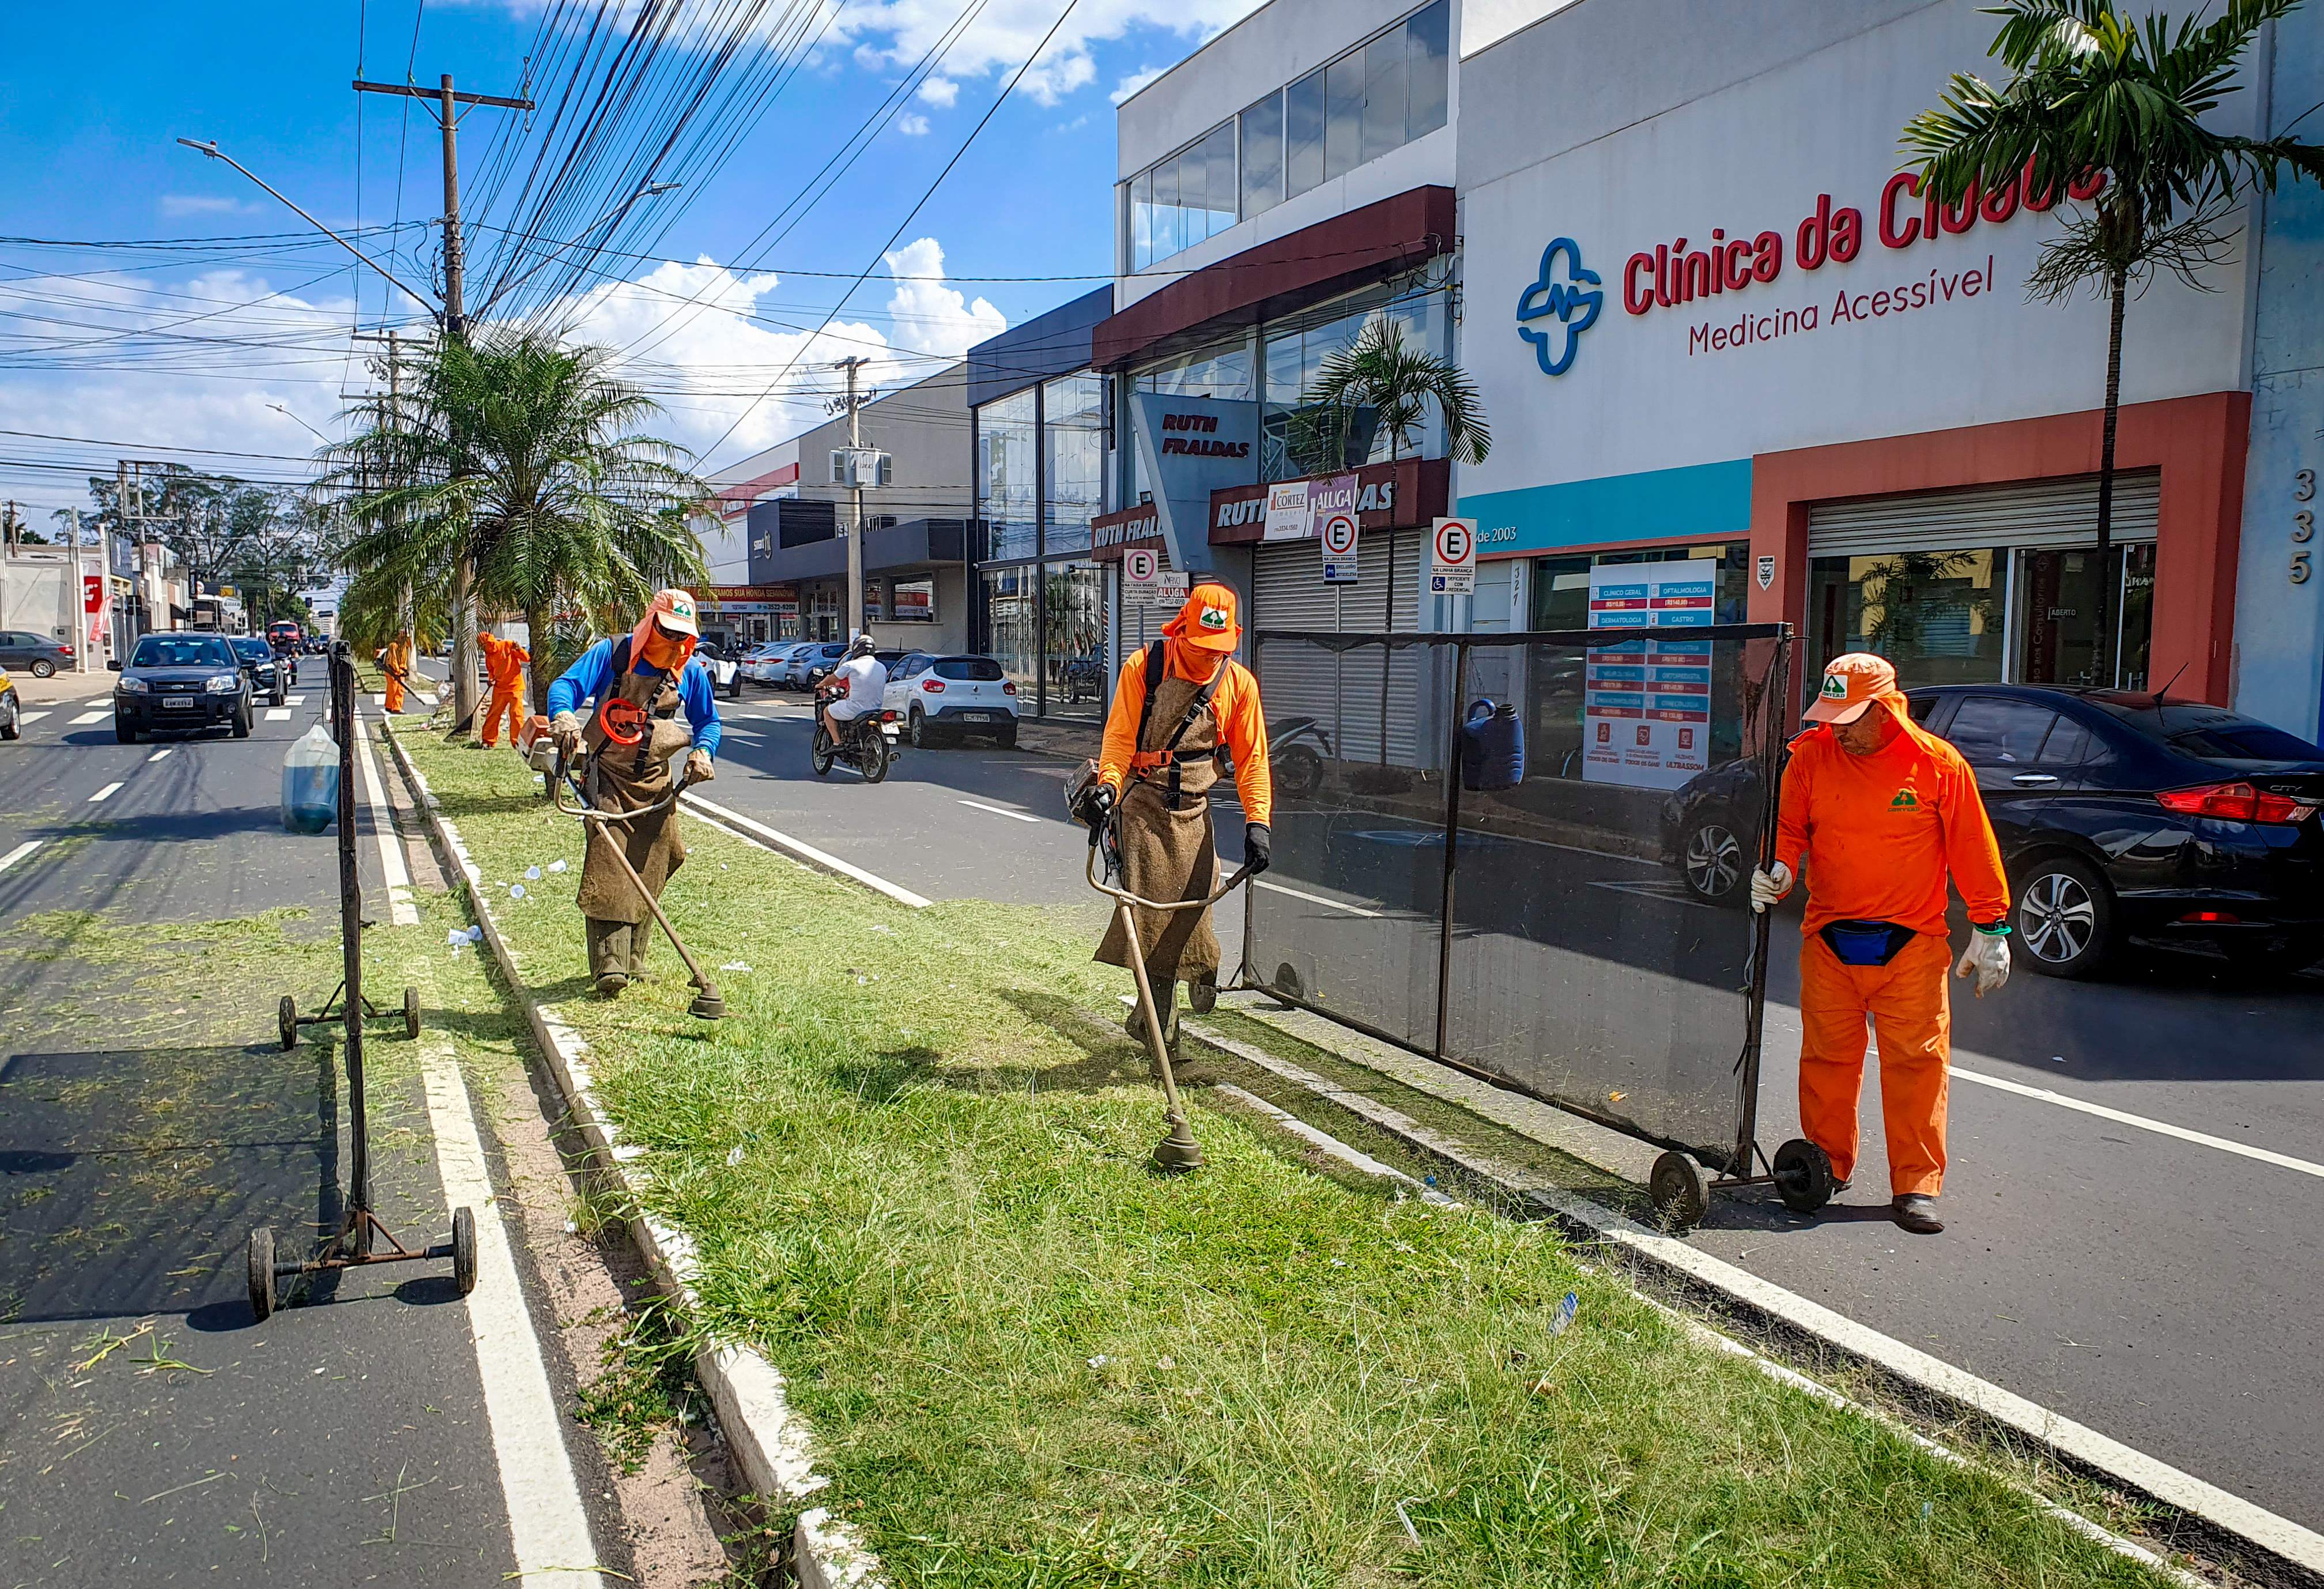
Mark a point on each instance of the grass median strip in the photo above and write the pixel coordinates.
(916, 1169)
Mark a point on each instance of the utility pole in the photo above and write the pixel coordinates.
(455, 330)
(856, 474)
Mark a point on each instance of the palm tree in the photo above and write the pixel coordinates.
(520, 459)
(2096, 92)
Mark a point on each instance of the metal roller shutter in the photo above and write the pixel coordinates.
(2032, 513)
(1344, 691)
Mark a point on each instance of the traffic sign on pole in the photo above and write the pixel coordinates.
(1453, 557)
(1338, 538)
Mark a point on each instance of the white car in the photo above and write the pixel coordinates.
(725, 672)
(943, 698)
(757, 663)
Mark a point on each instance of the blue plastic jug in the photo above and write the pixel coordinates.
(1492, 747)
(310, 783)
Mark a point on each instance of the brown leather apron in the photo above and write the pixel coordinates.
(623, 779)
(1169, 851)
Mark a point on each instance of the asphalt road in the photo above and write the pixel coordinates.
(144, 1132)
(2161, 1290)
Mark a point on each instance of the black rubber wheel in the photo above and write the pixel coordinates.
(44, 669)
(10, 725)
(818, 753)
(1298, 771)
(1716, 862)
(918, 731)
(411, 1012)
(241, 723)
(286, 1022)
(1803, 1179)
(123, 733)
(876, 755)
(1681, 1192)
(2063, 918)
(463, 1250)
(261, 1274)
(1006, 739)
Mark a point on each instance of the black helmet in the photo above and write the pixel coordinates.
(861, 646)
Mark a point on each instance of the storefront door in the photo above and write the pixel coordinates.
(2056, 615)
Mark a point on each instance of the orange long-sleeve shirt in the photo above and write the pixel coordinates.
(1880, 833)
(1242, 726)
(397, 659)
(505, 660)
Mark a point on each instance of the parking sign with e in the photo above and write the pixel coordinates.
(1453, 557)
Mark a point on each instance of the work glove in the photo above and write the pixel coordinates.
(565, 728)
(1767, 887)
(699, 769)
(1257, 846)
(1987, 958)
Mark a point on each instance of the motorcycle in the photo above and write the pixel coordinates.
(1298, 747)
(869, 745)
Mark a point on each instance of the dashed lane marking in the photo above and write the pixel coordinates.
(163, 752)
(1315, 899)
(19, 853)
(296, 701)
(2160, 1127)
(808, 852)
(401, 909)
(278, 714)
(85, 718)
(999, 810)
(106, 793)
(32, 718)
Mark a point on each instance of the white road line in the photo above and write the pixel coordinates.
(379, 701)
(85, 718)
(1315, 899)
(400, 909)
(159, 754)
(278, 714)
(999, 810)
(547, 1525)
(32, 718)
(426, 699)
(808, 852)
(2160, 1128)
(106, 793)
(296, 701)
(19, 853)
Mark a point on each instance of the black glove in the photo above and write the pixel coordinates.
(1257, 848)
(1097, 805)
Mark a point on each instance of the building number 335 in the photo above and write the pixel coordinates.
(2303, 524)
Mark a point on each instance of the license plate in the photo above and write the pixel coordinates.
(978, 716)
(177, 703)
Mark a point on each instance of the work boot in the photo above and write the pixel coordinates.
(1917, 1213)
(611, 985)
(1165, 1000)
(609, 954)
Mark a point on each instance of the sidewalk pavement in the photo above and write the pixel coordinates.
(64, 686)
(1071, 739)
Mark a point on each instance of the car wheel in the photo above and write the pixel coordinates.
(242, 723)
(10, 727)
(122, 732)
(922, 737)
(2064, 918)
(43, 669)
(1007, 738)
(1714, 860)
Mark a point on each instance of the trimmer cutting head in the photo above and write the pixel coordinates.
(707, 1005)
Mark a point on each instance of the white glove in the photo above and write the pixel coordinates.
(565, 729)
(1987, 959)
(1767, 887)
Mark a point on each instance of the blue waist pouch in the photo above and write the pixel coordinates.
(1865, 943)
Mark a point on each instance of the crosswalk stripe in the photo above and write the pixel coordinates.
(278, 714)
(296, 701)
(19, 853)
(32, 718)
(164, 751)
(88, 717)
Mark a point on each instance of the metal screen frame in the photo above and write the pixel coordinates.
(1738, 1161)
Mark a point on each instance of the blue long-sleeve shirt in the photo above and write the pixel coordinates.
(592, 674)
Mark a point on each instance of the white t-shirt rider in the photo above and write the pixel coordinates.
(866, 679)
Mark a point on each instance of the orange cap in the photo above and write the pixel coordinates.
(1208, 618)
(1851, 683)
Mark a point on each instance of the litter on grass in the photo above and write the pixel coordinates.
(460, 937)
(734, 1154)
(516, 890)
(1566, 1312)
(556, 866)
(532, 874)
(736, 966)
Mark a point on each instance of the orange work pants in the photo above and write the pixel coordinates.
(394, 693)
(507, 699)
(1911, 1015)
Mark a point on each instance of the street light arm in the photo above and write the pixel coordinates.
(645, 191)
(214, 152)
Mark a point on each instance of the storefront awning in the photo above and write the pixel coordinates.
(1403, 495)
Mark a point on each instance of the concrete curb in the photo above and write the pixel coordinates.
(2256, 1542)
(771, 1444)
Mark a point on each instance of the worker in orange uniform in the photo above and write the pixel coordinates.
(395, 662)
(504, 661)
(1178, 703)
(1883, 811)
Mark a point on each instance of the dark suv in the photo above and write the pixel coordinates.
(269, 673)
(180, 682)
(2119, 816)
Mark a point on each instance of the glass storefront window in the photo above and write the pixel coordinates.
(1937, 615)
(1006, 441)
(1073, 644)
(1301, 437)
(1012, 626)
(1073, 422)
(1262, 156)
(2055, 601)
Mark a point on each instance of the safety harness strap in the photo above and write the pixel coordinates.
(1143, 762)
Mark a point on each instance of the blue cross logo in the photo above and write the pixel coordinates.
(1574, 307)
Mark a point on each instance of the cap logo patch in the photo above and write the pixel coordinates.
(1213, 618)
(1835, 687)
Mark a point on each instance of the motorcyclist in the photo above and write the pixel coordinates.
(856, 686)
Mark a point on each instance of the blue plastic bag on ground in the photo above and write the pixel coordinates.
(310, 783)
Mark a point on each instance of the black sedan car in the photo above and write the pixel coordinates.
(181, 681)
(270, 675)
(2121, 817)
(36, 654)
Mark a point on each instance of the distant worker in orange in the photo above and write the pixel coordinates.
(1179, 702)
(504, 661)
(1883, 811)
(395, 662)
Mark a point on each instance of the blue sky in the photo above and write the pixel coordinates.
(178, 347)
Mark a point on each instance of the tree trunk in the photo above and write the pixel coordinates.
(464, 643)
(2102, 635)
(536, 639)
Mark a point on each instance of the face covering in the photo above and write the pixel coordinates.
(665, 651)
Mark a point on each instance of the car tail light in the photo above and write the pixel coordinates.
(933, 685)
(64, 648)
(2235, 802)
(1008, 688)
(2211, 918)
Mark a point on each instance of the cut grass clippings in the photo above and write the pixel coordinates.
(916, 1169)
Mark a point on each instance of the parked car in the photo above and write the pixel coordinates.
(767, 662)
(942, 699)
(750, 661)
(819, 667)
(36, 654)
(801, 667)
(725, 671)
(2121, 816)
(12, 710)
(181, 681)
(269, 674)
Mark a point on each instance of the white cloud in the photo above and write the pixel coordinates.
(897, 33)
(941, 92)
(1135, 81)
(929, 317)
(912, 124)
(176, 205)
